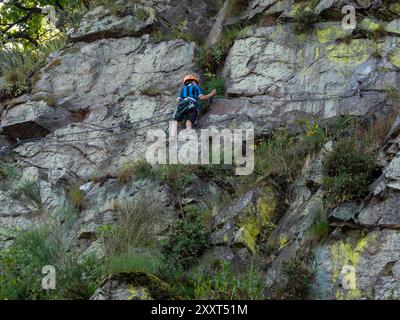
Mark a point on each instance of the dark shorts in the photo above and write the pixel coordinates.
(186, 114)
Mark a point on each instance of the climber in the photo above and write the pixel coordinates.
(188, 104)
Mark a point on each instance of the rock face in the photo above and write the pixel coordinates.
(33, 119)
(279, 73)
(94, 102)
(241, 222)
(100, 23)
(359, 267)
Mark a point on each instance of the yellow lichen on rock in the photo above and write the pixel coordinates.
(255, 220)
(395, 7)
(355, 53)
(371, 24)
(330, 33)
(283, 241)
(139, 293)
(345, 259)
(395, 57)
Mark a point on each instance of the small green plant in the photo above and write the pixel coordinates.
(172, 32)
(393, 93)
(21, 265)
(210, 59)
(142, 14)
(28, 193)
(79, 277)
(214, 82)
(8, 170)
(348, 171)
(304, 15)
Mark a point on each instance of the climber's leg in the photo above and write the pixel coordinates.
(191, 118)
(173, 129)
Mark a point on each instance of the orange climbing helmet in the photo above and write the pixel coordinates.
(190, 77)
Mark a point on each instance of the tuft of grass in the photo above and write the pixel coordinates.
(69, 215)
(8, 170)
(18, 65)
(142, 14)
(51, 101)
(135, 227)
(319, 230)
(393, 93)
(150, 91)
(284, 155)
(179, 31)
(28, 193)
(210, 59)
(304, 15)
(224, 284)
(177, 177)
(144, 260)
(130, 170)
(77, 197)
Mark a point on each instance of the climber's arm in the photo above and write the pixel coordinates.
(208, 96)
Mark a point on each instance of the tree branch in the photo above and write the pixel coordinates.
(29, 10)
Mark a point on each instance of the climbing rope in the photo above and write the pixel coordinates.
(53, 140)
(126, 127)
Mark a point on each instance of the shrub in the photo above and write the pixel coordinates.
(188, 239)
(209, 59)
(348, 171)
(28, 193)
(297, 279)
(22, 263)
(21, 268)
